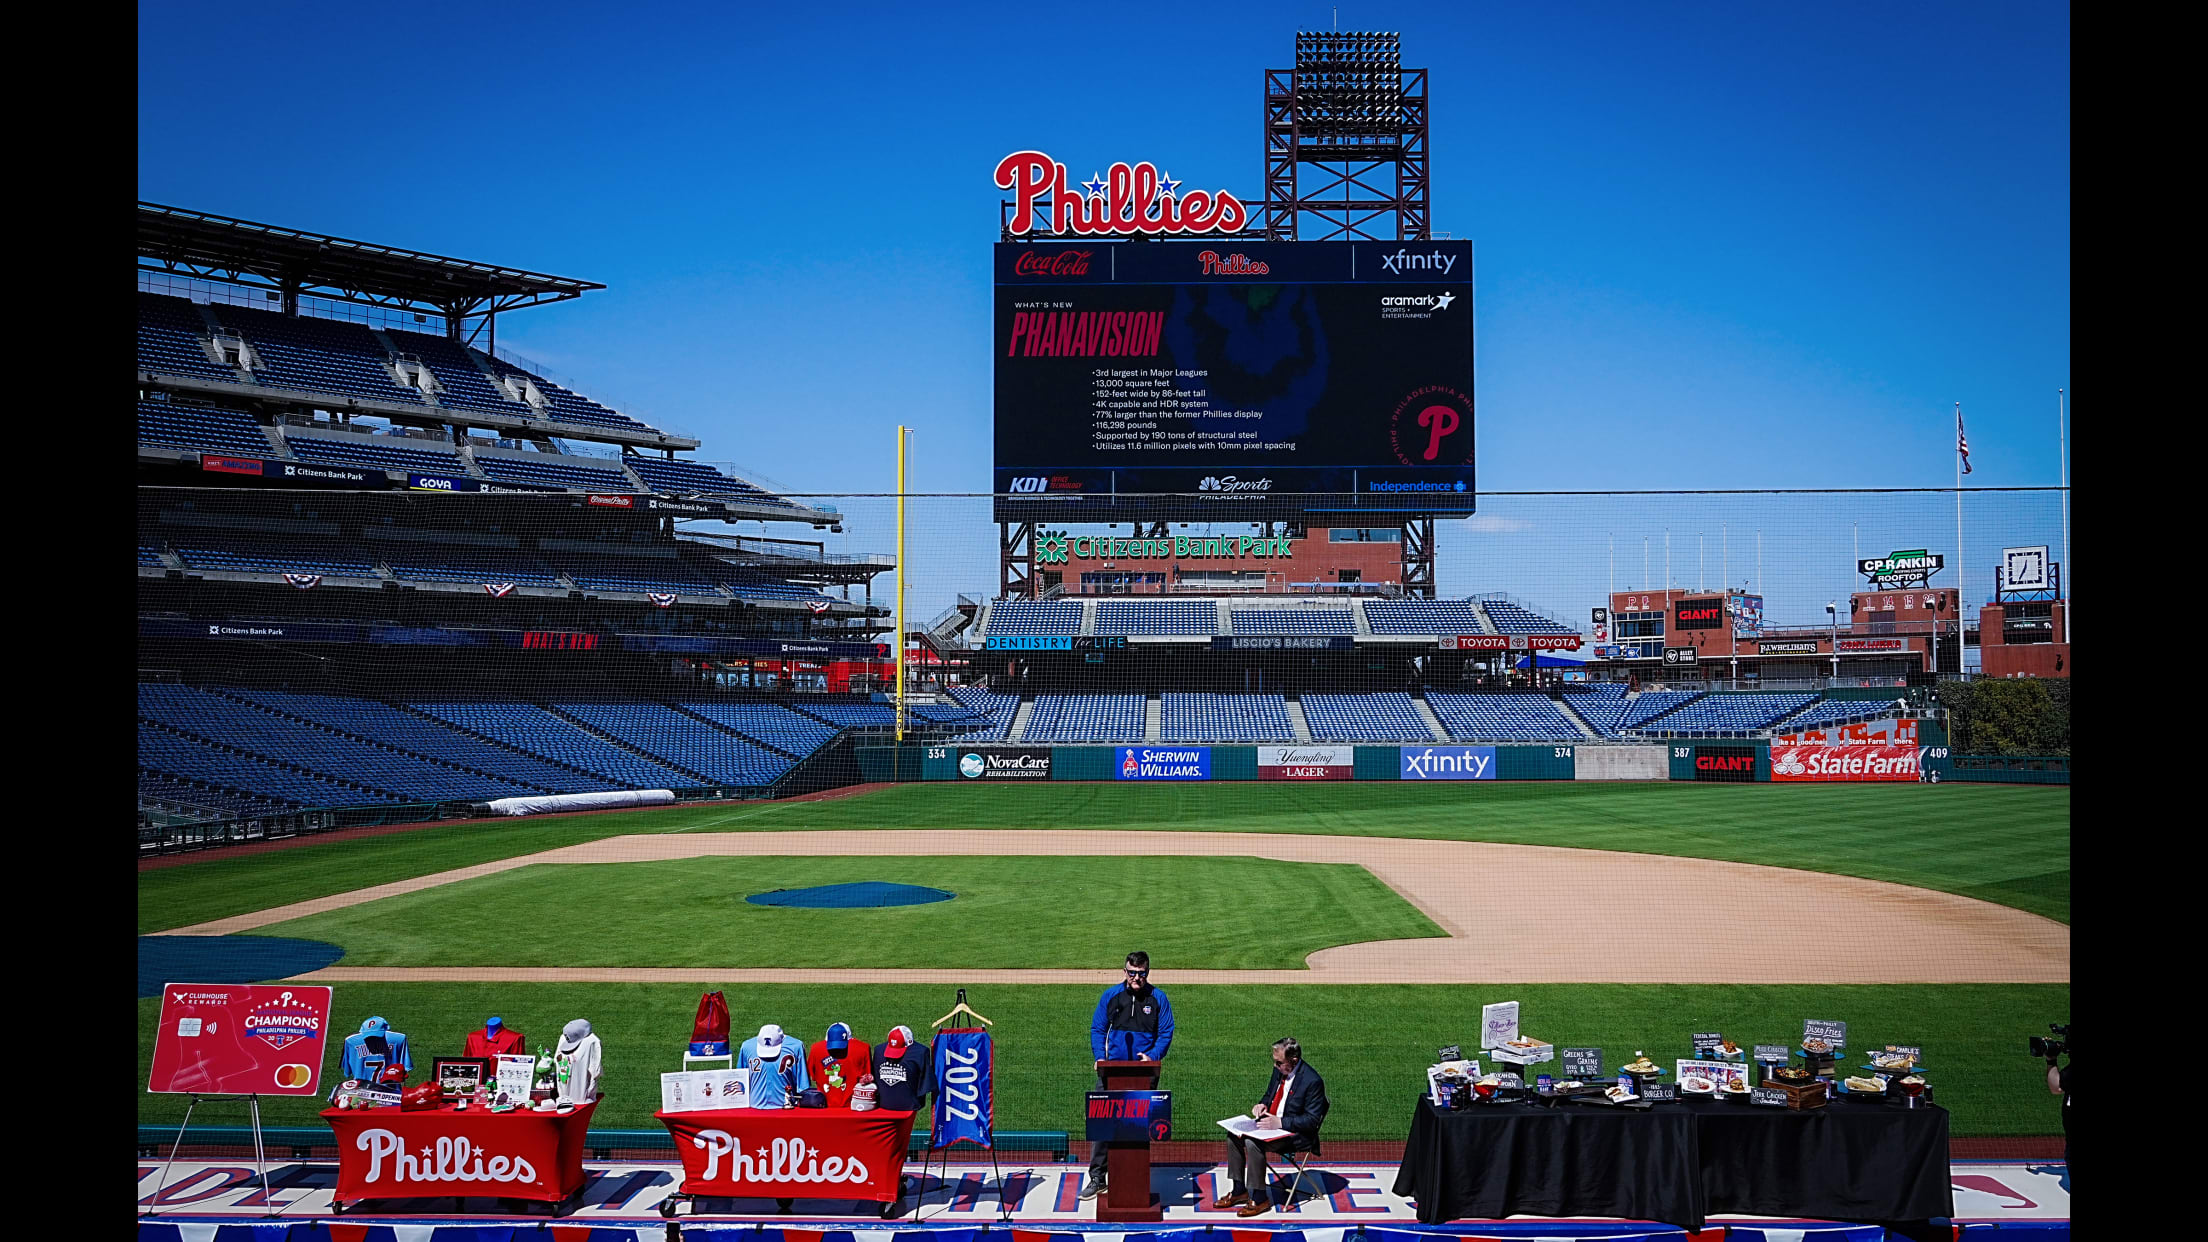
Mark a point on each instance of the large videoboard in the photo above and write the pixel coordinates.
(1147, 380)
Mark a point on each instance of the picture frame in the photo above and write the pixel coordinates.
(1716, 1073)
(461, 1077)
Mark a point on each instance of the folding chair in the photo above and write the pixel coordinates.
(1301, 1162)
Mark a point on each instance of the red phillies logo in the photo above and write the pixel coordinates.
(1232, 265)
(1052, 263)
(1128, 199)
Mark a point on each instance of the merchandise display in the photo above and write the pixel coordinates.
(904, 1074)
(709, 1033)
(495, 1039)
(374, 1051)
(837, 1062)
(778, 1068)
(578, 1063)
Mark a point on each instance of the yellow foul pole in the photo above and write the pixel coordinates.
(901, 433)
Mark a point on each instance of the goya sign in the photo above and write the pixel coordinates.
(1901, 569)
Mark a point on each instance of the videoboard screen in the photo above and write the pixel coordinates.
(1155, 379)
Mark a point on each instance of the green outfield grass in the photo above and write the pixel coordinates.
(1008, 912)
(1371, 1042)
(2000, 843)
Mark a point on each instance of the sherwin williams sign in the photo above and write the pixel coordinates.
(1448, 763)
(1164, 763)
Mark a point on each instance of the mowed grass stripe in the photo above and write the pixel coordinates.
(1010, 912)
(1968, 839)
(1371, 1041)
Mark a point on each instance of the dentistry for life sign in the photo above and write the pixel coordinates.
(241, 1039)
(1448, 763)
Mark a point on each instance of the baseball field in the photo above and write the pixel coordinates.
(1369, 920)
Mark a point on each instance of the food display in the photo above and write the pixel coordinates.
(1868, 1086)
(1735, 1086)
(1640, 1064)
(1892, 1058)
(1619, 1095)
(1792, 1074)
(1815, 1045)
(1698, 1086)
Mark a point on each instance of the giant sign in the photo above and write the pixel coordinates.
(1186, 377)
(1699, 614)
(241, 1039)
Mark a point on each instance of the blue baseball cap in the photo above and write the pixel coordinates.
(839, 1037)
(495, 1021)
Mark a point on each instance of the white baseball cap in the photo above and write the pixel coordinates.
(770, 1040)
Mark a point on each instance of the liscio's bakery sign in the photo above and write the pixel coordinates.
(1900, 569)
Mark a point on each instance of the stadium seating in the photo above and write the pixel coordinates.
(1157, 616)
(681, 740)
(666, 576)
(769, 724)
(149, 554)
(1222, 718)
(1509, 618)
(317, 355)
(201, 428)
(461, 382)
(753, 586)
(1502, 718)
(1391, 717)
(850, 713)
(568, 407)
(275, 558)
(1086, 718)
(1422, 616)
(685, 477)
(1649, 704)
(1729, 713)
(166, 753)
(377, 453)
(1001, 708)
(1835, 711)
(1602, 705)
(527, 727)
(381, 722)
(1019, 617)
(169, 334)
(1293, 621)
(154, 788)
(584, 473)
(264, 732)
(423, 563)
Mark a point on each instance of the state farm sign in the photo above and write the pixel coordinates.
(1851, 761)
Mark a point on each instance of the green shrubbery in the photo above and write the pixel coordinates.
(2008, 716)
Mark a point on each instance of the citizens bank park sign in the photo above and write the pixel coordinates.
(1126, 199)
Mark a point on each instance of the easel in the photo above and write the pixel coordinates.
(1004, 1209)
(260, 1151)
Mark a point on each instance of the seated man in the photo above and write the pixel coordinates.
(1295, 1101)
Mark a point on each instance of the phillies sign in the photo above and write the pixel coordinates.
(1127, 199)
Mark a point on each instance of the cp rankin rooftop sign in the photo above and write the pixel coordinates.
(1900, 569)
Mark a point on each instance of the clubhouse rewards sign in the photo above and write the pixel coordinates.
(241, 1039)
(1233, 371)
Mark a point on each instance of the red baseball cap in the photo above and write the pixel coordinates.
(900, 1038)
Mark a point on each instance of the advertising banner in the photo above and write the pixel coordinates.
(1130, 1116)
(241, 1039)
(1725, 763)
(1803, 646)
(230, 465)
(1699, 614)
(316, 472)
(440, 483)
(1164, 763)
(791, 1153)
(1747, 615)
(1447, 763)
(965, 1088)
(1005, 763)
(1282, 642)
(1873, 750)
(1863, 646)
(1509, 642)
(388, 1154)
(1306, 763)
(1236, 371)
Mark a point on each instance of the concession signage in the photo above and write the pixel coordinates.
(1585, 1064)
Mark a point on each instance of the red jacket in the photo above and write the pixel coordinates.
(858, 1060)
(508, 1042)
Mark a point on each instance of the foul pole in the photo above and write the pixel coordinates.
(902, 433)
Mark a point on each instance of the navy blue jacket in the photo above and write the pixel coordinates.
(1306, 1108)
(1141, 1025)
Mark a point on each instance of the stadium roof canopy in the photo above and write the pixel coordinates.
(210, 247)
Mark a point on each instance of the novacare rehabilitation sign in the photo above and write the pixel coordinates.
(1163, 763)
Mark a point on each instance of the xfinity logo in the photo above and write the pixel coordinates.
(1404, 261)
(1447, 763)
(1228, 483)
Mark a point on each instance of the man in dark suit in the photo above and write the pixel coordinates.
(1295, 1101)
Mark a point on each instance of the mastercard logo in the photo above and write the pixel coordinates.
(293, 1076)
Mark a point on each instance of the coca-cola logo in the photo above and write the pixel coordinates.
(1052, 263)
(1136, 198)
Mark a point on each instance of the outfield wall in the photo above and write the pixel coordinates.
(1522, 762)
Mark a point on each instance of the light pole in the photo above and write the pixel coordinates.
(1832, 610)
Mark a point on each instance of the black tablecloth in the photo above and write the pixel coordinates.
(1677, 1162)
(1569, 1160)
(1845, 1161)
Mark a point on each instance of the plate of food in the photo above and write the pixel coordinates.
(1640, 1064)
(1619, 1095)
(1698, 1086)
(1893, 1061)
(1792, 1075)
(1815, 1045)
(1735, 1089)
(1868, 1086)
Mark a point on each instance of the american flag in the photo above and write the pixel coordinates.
(1962, 442)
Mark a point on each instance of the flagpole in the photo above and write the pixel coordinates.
(2062, 463)
(1962, 572)
(900, 585)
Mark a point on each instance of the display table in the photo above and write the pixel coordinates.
(1676, 1163)
(388, 1153)
(1571, 1160)
(1846, 1161)
(790, 1153)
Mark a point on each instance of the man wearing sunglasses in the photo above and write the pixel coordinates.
(1133, 1022)
(1295, 1101)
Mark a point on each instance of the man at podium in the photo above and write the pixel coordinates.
(1133, 1022)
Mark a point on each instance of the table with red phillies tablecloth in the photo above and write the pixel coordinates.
(787, 1154)
(471, 1153)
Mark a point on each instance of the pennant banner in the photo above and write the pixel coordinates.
(817, 605)
(305, 582)
(498, 590)
(664, 601)
(965, 1089)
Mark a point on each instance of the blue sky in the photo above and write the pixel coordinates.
(1717, 245)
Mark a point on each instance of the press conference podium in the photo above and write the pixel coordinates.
(1127, 1194)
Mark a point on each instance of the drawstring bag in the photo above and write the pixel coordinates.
(709, 1034)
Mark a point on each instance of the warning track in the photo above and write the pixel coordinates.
(1513, 913)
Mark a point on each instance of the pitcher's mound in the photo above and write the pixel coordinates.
(866, 893)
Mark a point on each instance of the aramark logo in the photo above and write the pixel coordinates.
(1228, 483)
(1405, 261)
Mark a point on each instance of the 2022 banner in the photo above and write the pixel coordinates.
(965, 1088)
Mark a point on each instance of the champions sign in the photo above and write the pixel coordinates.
(240, 1039)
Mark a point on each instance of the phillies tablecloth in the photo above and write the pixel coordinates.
(387, 1153)
(791, 1153)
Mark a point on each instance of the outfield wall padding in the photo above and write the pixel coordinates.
(1621, 763)
(1548, 762)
